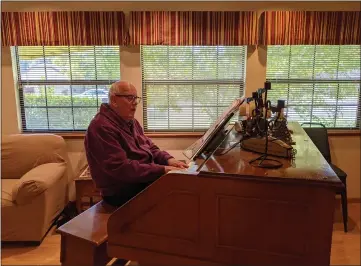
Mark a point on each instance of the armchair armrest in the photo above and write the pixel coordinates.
(36, 181)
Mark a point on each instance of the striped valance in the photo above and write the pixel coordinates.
(180, 28)
(193, 28)
(311, 27)
(62, 28)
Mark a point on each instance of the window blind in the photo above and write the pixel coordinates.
(320, 83)
(62, 87)
(185, 88)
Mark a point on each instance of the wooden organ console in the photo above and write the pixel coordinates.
(223, 211)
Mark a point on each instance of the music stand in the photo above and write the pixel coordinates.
(265, 162)
(206, 146)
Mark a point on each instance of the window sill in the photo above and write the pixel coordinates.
(80, 135)
(174, 134)
(72, 135)
(341, 132)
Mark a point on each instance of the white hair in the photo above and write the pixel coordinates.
(113, 90)
(117, 87)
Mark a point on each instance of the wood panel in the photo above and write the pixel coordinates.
(345, 246)
(93, 231)
(84, 238)
(75, 251)
(234, 221)
(233, 213)
(181, 225)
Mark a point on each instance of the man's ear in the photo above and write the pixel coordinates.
(113, 103)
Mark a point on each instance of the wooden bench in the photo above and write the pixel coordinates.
(84, 238)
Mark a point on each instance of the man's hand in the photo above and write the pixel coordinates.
(176, 163)
(171, 168)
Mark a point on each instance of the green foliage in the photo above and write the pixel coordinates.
(57, 112)
(189, 87)
(320, 83)
(73, 62)
(54, 109)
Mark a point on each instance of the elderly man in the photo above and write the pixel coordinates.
(122, 160)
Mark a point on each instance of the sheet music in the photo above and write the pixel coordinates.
(191, 151)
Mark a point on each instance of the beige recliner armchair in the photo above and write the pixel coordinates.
(36, 178)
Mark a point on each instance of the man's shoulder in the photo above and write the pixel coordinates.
(100, 123)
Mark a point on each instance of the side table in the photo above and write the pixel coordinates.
(86, 193)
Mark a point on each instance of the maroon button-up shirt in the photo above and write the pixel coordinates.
(121, 158)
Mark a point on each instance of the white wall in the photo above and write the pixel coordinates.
(9, 103)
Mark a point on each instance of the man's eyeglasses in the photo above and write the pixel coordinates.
(130, 98)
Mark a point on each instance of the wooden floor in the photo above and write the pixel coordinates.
(345, 246)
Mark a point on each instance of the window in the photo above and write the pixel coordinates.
(62, 87)
(185, 88)
(320, 83)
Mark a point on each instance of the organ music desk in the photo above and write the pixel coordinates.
(232, 213)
